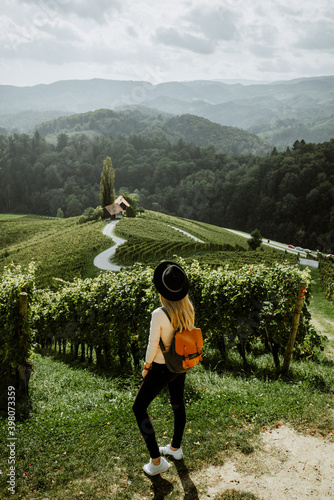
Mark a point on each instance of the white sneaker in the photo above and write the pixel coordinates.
(166, 450)
(153, 470)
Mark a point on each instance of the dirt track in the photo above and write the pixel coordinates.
(287, 466)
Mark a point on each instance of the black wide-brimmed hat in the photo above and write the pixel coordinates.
(171, 281)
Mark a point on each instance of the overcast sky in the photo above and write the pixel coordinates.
(43, 41)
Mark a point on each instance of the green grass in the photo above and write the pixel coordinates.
(320, 306)
(322, 312)
(235, 495)
(10, 216)
(81, 435)
(235, 260)
(154, 225)
(16, 230)
(60, 248)
(146, 227)
(150, 238)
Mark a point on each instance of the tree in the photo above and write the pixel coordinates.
(73, 206)
(132, 199)
(62, 141)
(107, 191)
(130, 212)
(256, 239)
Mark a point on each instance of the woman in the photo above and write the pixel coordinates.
(172, 284)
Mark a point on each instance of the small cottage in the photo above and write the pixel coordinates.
(116, 209)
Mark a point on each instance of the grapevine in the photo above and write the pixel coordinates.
(110, 314)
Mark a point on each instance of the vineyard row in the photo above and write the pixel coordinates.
(146, 250)
(110, 314)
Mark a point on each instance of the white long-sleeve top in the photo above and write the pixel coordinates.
(160, 325)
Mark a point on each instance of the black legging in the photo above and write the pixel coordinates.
(157, 377)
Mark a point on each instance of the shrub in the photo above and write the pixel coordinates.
(255, 241)
(16, 331)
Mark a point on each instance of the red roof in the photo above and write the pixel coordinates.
(114, 209)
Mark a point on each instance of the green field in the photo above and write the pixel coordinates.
(60, 248)
(81, 439)
(10, 216)
(154, 225)
(154, 236)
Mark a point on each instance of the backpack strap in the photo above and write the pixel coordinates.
(166, 312)
(161, 344)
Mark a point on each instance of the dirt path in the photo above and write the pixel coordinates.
(287, 466)
(323, 325)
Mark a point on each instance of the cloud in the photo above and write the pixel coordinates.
(171, 37)
(317, 36)
(200, 30)
(132, 32)
(216, 23)
(61, 53)
(262, 50)
(84, 9)
(178, 40)
(18, 40)
(277, 66)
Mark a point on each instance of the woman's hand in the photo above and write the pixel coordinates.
(146, 369)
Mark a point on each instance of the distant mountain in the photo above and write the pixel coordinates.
(279, 111)
(26, 121)
(150, 123)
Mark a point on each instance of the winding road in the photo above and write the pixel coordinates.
(102, 261)
(281, 246)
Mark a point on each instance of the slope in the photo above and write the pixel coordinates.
(64, 249)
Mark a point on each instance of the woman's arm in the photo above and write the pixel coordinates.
(154, 337)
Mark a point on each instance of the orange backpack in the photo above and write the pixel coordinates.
(185, 351)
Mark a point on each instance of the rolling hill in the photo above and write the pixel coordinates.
(151, 124)
(64, 249)
(307, 101)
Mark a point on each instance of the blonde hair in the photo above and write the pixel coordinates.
(181, 313)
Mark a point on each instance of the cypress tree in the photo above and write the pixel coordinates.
(107, 191)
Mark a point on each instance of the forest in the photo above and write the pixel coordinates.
(288, 196)
(153, 124)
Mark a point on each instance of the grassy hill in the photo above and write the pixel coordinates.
(152, 237)
(64, 249)
(60, 248)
